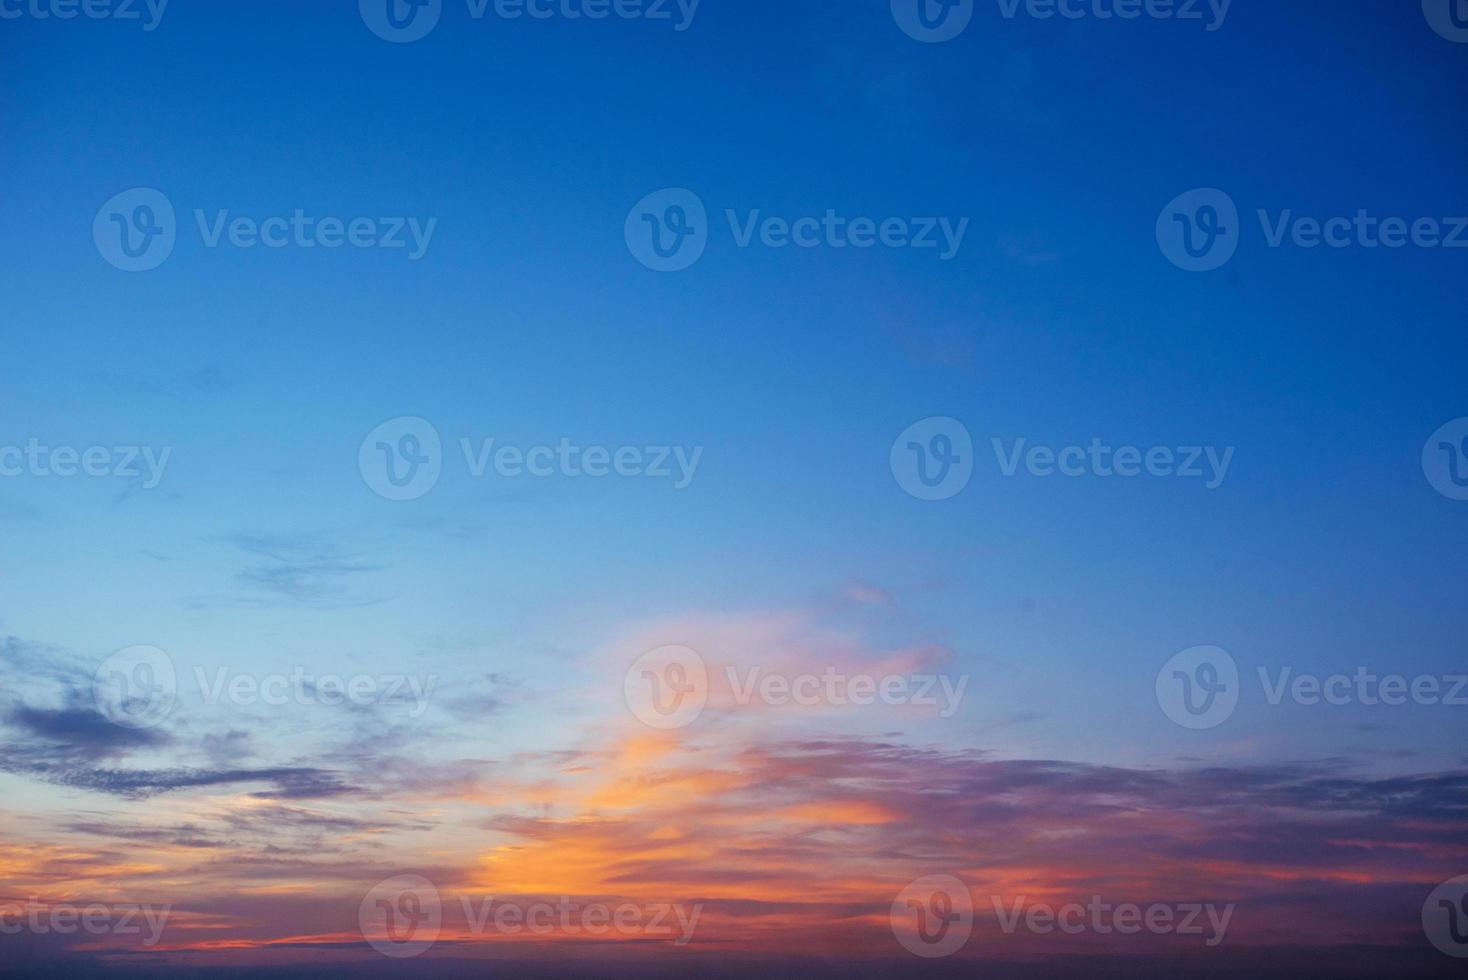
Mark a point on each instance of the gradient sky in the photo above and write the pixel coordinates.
(528, 321)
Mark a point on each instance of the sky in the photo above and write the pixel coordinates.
(672, 463)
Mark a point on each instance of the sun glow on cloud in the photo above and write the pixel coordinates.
(785, 836)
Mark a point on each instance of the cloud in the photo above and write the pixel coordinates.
(285, 783)
(308, 569)
(79, 729)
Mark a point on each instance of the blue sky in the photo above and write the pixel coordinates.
(528, 321)
(1058, 320)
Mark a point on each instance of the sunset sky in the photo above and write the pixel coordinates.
(503, 628)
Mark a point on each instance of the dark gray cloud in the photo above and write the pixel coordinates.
(79, 729)
(285, 782)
